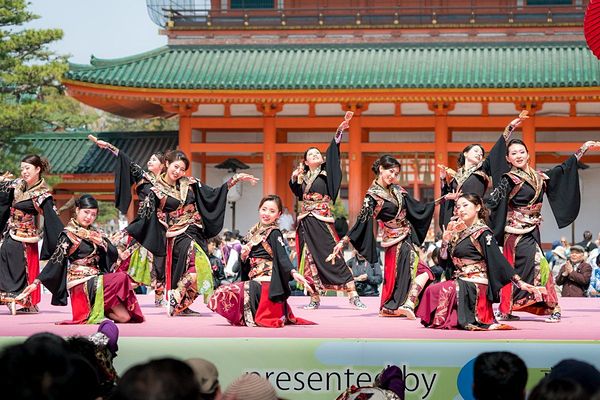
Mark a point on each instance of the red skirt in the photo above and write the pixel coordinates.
(117, 288)
(232, 302)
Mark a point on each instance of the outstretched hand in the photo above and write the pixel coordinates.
(302, 280)
(100, 143)
(519, 120)
(28, 290)
(336, 252)
(242, 177)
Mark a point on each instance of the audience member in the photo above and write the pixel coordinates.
(575, 274)
(579, 371)
(367, 276)
(594, 288)
(388, 385)
(286, 220)
(499, 375)
(588, 242)
(558, 389)
(162, 379)
(250, 387)
(207, 377)
(216, 264)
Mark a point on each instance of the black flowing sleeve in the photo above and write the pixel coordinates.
(53, 227)
(211, 204)
(147, 229)
(109, 257)
(498, 205)
(500, 271)
(419, 215)
(362, 234)
(281, 274)
(127, 173)
(495, 164)
(6, 199)
(296, 188)
(54, 274)
(563, 191)
(334, 169)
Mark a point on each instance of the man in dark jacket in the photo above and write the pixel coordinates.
(367, 277)
(575, 275)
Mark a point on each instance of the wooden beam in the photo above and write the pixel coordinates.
(226, 148)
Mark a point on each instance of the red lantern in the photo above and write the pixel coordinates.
(591, 27)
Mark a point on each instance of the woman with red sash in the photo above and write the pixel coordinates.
(82, 267)
(260, 300)
(22, 201)
(405, 224)
(316, 183)
(516, 205)
(480, 271)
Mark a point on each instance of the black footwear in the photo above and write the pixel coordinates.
(28, 310)
(506, 317)
(189, 313)
(355, 301)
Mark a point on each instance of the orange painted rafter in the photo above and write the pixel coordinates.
(225, 147)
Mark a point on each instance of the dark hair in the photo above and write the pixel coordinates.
(499, 375)
(587, 235)
(86, 201)
(215, 240)
(461, 157)
(274, 198)
(476, 199)
(161, 157)
(386, 162)
(558, 389)
(165, 378)
(177, 155)
(305, 154)
(37, 161)
(515, 141)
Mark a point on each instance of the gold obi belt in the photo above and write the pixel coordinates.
(317, 205)
(21, 227)
(260, 269)
(470, 271)
(521, 220)
(395, 231)
(180, 219)
(82, 270)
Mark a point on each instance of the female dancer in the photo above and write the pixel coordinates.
(194, 213)
(516, 205)
(405, 223)
(317, 183)
(480, 271)
(475, 174)
(23, 200)
(82, 266)
(261, 300)
(143, 265)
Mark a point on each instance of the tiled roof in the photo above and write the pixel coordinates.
(74, 153)
(327, 67)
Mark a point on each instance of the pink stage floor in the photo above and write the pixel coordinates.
(335, 319)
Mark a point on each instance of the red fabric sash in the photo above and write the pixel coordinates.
(33, 269)
(389, 274)
(275, 315)
(505, 306)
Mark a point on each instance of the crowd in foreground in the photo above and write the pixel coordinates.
(47, 366)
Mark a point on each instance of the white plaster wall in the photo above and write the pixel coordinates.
(246, 208)
(588, 218)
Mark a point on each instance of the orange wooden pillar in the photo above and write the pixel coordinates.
(185, 133)
(355, 172)
(269, 156)
(441, 151)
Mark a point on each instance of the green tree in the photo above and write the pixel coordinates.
(31, 96)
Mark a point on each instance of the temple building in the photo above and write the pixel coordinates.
(261, 81)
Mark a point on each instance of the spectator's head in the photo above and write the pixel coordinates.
(579, 371)
(43, 367)
(560, 253)
(587, 236)
(162, 379)
(577, 253)
(250, 387)
(207, 377)
(213, 244)
(499, 375)
(564, 242)
(558, 389)
(435, 256)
